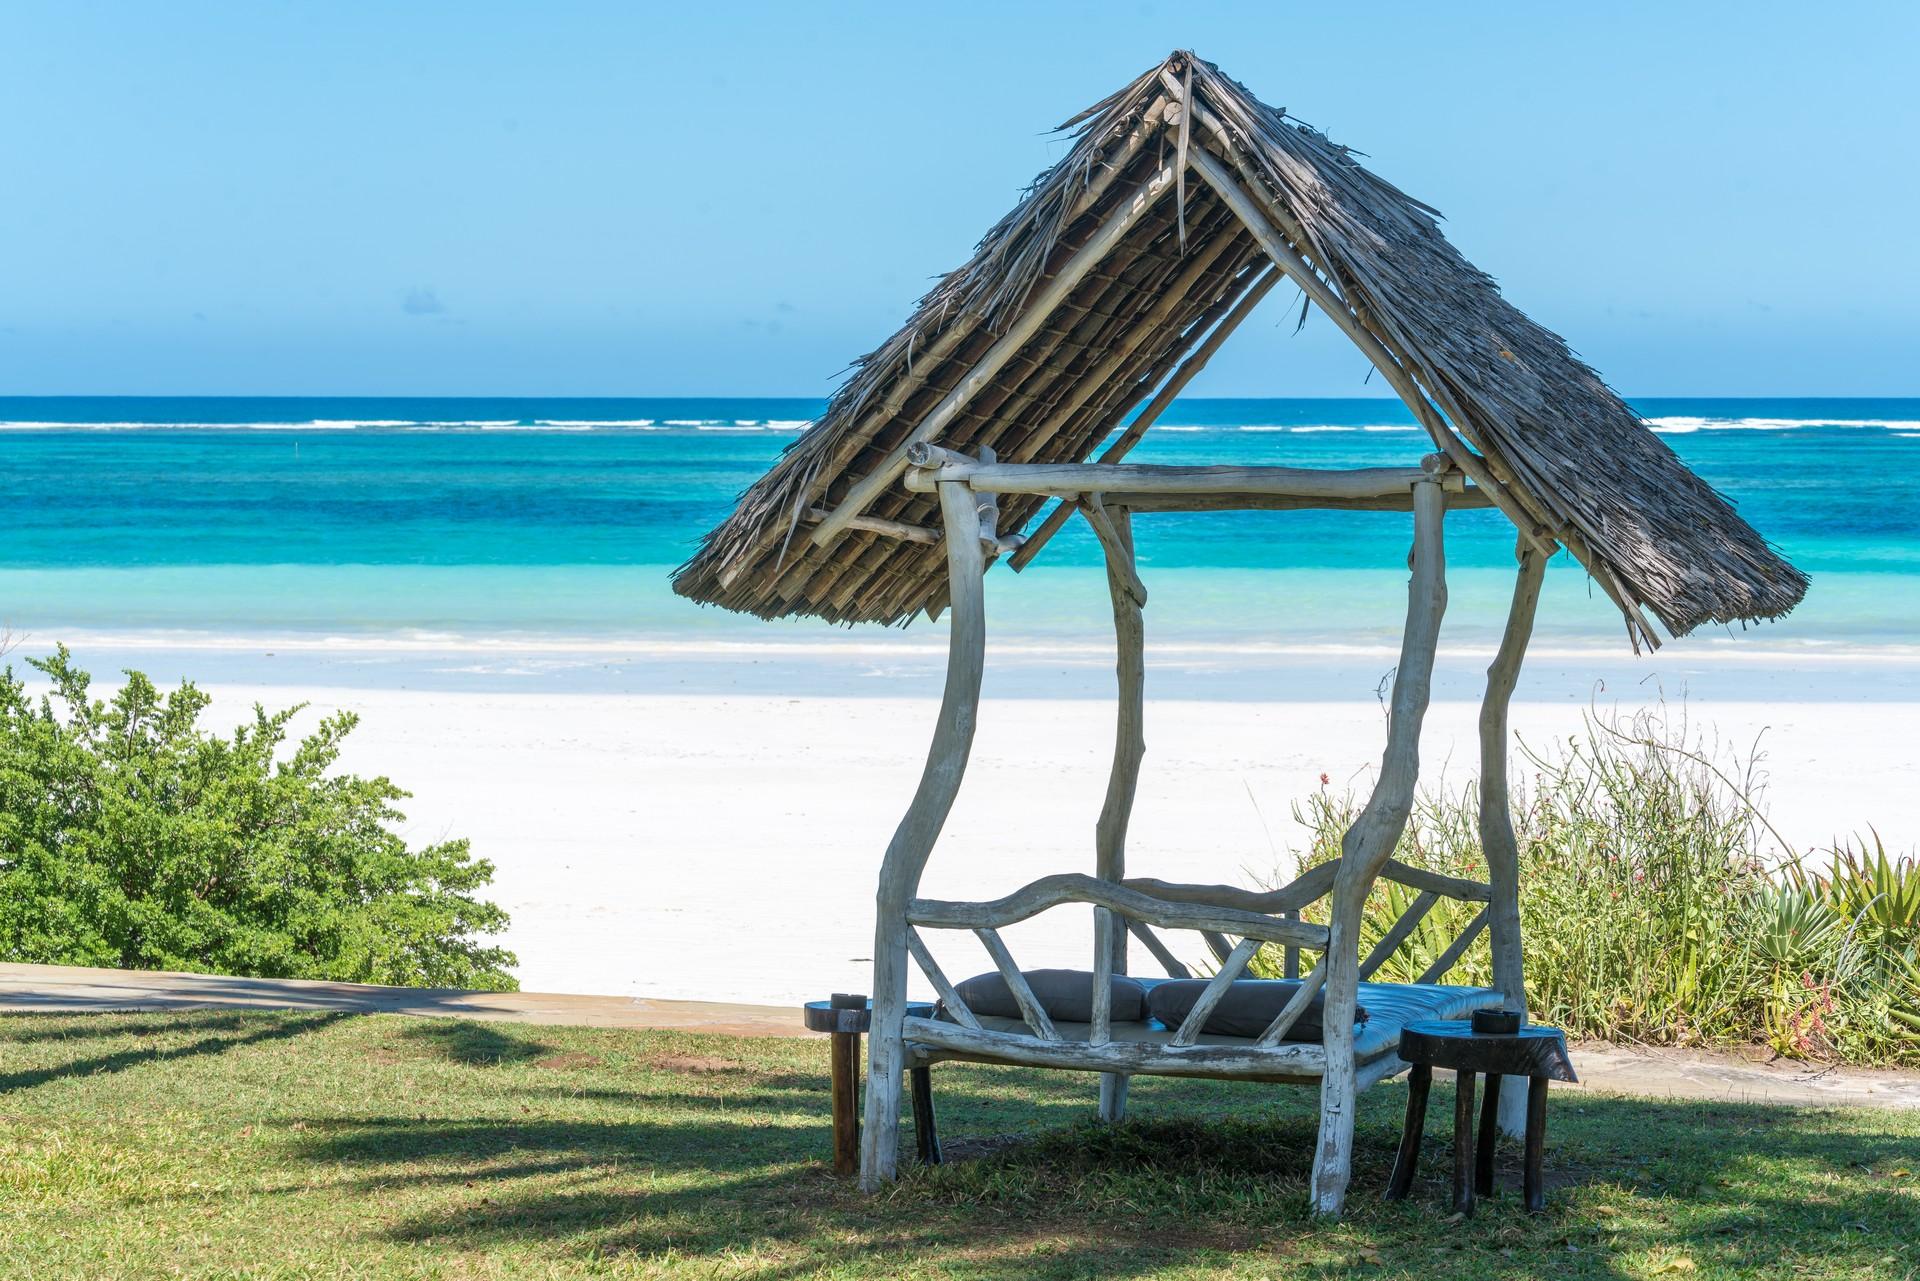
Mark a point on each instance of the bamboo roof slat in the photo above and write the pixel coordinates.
(1142, 306)
(1220, 322)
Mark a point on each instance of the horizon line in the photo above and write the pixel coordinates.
(363, 395)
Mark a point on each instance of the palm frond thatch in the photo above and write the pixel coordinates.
(1569, 450)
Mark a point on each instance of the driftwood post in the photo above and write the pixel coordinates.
(1496, 819)
(1129, 746)
(845, 1080)
(913, 839)
(1368, 844)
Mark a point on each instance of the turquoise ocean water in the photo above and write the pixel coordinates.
(557, 522)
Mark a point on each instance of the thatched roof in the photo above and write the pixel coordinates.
(1569, 451)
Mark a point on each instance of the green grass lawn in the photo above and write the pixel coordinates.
(319, 1145)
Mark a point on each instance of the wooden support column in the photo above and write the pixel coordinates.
(1370, 842)
(1496, 818)
(913, 840)
(1129, 746)
(845, 1082)
(1072, 480)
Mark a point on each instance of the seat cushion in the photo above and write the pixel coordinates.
(1394, 1005)
(1066, 996)
(1248, 1009)
(1390, 1005)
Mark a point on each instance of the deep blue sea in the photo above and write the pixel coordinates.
(559, 520)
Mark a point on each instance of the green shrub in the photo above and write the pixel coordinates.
(131, 837)
(1659, 906)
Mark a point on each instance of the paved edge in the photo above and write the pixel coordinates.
(1604, 1068)
(66, 989)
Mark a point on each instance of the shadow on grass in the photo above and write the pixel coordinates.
(475, 1044)
(1202, 1169)
(685, 1189)
(120, 1061)
(169, 1023)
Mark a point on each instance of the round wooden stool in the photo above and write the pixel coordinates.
(1537, 1053)
(846, 1017)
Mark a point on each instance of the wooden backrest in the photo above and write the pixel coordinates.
(1217, 913)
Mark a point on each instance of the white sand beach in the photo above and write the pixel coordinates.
(722, 843)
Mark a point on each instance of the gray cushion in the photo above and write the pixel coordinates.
(1066, 995)
(1247, 1009)
(1390, 1004)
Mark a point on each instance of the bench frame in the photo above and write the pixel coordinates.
(968, 490)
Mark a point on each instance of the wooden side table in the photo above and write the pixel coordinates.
(845, 1017)
(1537, 1053)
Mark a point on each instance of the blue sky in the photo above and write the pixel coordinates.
(625, 199)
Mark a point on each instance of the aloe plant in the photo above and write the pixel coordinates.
(1798, 929)
(1880, 894)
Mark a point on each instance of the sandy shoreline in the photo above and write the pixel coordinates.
(723, 846)
(706, 823)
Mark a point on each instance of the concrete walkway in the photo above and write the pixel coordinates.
(51, 989)
(1608, 1069)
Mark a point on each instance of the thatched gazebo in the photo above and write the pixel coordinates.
(1183, 202)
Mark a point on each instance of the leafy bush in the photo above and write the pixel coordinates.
(1659, 906)
(131, 837)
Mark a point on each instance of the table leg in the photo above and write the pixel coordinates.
(1489, 1133)
(846, 1103)
(1463, 1142)
(1419, 1081)
(926, 1133)
(1535, 1180)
